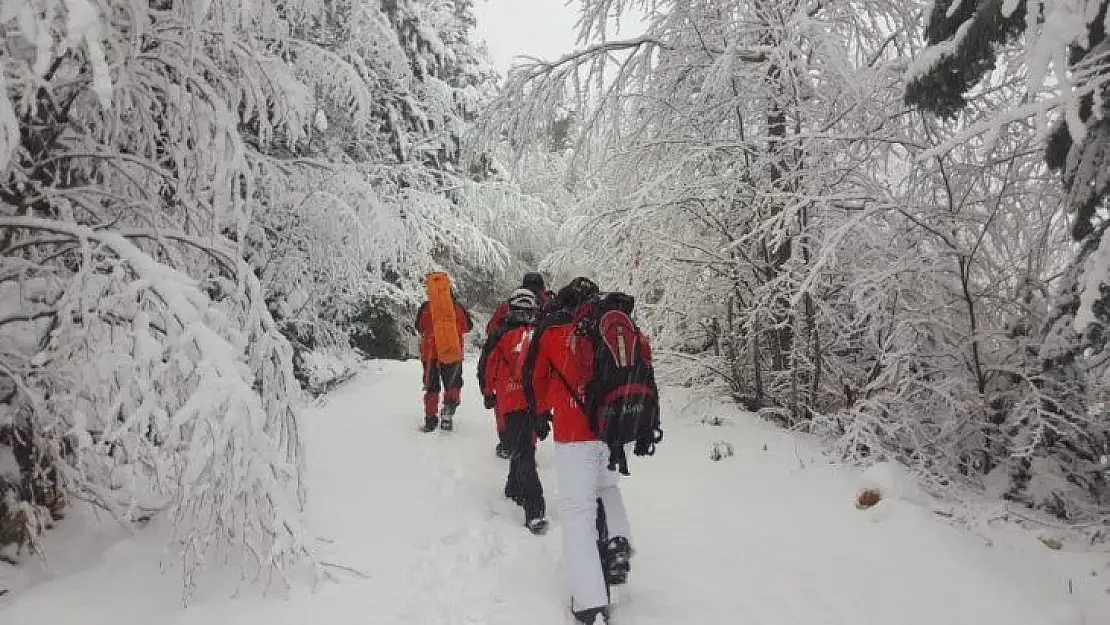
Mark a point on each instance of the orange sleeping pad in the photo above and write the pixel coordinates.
(449, 347)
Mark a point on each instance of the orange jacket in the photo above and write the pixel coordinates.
(463, 323)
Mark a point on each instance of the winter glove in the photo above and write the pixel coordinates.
(490, 402)
(645, 445)
(542, 425)
(646, 441)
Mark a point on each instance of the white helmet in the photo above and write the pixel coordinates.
(522, 299)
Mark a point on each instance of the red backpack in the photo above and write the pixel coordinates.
(621, 398)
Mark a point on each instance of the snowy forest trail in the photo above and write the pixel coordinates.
(769, 536)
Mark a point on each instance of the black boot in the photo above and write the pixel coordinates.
(430, 423)
(617, 560)
(535, 510)
(593, 616)
(537, 526)
(446, 417)
(512, 488)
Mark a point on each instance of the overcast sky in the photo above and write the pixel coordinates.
(541, 28)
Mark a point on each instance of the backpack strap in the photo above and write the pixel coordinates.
(570, 391)
(559, 317)
(530, 359)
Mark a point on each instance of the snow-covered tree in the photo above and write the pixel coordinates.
(397, 174)
(715, 137)
(140, 368)
(184, 187)
(1056, 52)
(750, 171)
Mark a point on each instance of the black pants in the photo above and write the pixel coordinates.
(436, 376)
(523, 483)
(448, 377)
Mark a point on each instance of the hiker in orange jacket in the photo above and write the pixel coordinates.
(448, 375)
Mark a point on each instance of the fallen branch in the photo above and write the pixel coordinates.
(343, 567)
(1059, 526)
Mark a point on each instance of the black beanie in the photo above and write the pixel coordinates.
(533, 282)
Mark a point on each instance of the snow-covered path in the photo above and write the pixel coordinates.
(767, 537)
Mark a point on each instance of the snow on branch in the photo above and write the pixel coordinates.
(196, 392)
(751, 172)
(180, 184)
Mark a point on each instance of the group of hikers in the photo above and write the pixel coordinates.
(574, 366)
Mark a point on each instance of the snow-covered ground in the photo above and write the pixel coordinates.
(768, 536)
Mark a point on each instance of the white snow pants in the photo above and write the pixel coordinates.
(583, 478)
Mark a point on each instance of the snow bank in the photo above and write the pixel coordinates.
(325, 368)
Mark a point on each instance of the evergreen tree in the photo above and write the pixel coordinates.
(968, 42)
(965, 48)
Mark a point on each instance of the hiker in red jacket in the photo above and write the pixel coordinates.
(437, 374)
(533, 282)
(503, 377)
(588, 490)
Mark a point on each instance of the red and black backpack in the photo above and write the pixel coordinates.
(621, 398)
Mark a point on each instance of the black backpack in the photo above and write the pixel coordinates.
(621, 397)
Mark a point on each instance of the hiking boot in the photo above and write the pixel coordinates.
(446, 417)
(430, 423)
(537, 526)
(534, 507)
(617, 560)
(593, 616)
(535, 513)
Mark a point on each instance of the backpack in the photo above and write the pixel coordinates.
(621, 398)
(516, 319)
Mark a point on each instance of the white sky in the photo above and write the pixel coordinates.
(542, 28)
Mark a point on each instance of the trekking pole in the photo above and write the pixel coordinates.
(602, 525)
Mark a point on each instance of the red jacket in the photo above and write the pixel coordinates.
(497, 318)
(560, 363)
(463, 324)
(556, 365)
(503, 368)
(492, 327)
